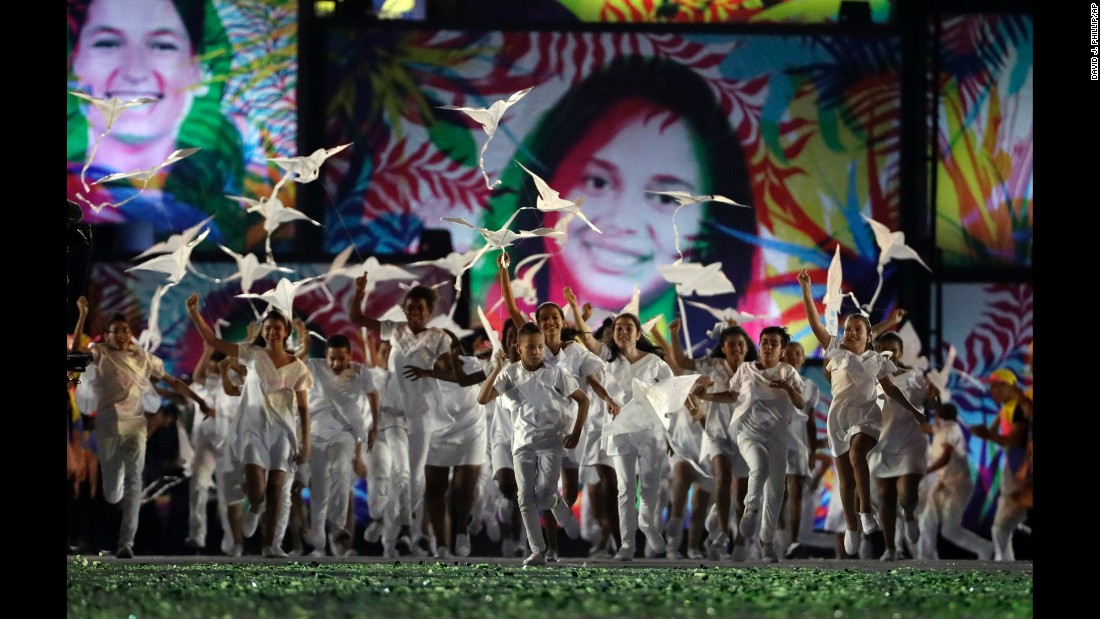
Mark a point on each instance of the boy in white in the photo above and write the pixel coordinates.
(538, 397)
(950, 492)
(207, 439)
(123, 388)
(342, 407)
(773, 395)
(801, 446)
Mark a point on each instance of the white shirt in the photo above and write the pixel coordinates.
(338, 403)
(122, 379)
(762, 411)
(538, 401)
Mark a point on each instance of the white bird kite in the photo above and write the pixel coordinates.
(652, 406)
(175, 241)
(281, 297)
(833, 296)
(523, 287)
(692, 278)
(683, 199)
(489, 119)
(274, 214)
(724, 316)
(250, 269)
(111, 109)
(303, 169)
(174, 264)
(550, 200)
(142, 175)
(490, 332)
(891, 246)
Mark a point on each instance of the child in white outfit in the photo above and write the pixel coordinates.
(538, 397)
(854, 420)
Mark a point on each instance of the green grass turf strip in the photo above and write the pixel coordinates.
(100, 589)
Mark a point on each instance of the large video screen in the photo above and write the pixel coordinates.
(213, 75)
(802, 132)
(984, 141)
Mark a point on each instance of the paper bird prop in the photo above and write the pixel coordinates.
(911, 348)
(281, 297)
(523, 287)
(698, 279)
(550, 200)
(489, 119)
(151, 336)
(454, 262)
(175, 241)
(143, 175)
(723, 316)
(111, 109)
(490, 332)
(940, 377)
(652, 406)
(304, 169)
(891, 246)
(274, 214)
(833, 296)
(174, 264)
(562, 226)
(683, 199)
(692, 278)
(634, 305)
(250, 270)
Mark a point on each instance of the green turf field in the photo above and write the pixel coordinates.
(489, 591)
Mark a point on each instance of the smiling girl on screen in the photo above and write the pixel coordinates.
(172, 51)
(635, 125)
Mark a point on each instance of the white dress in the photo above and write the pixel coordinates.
(649, 369)
(902, 448)
(855, 407)
(461, 435)
(269, 403)
(717, 441)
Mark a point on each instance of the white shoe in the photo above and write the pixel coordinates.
(536, 558)
(624, 554)
(389, 552)
(442, 552)
(718, 546)
(339, 543)
(748, 523)
(566, 520)
(673, 554)
(912, 532)
(869, 522)
(373, 532)
(462, 545)
(695, 553)
(851, 542)
(551, 556)
(889, 555)
(251, 522)
(235, 550)
(317, 552)
(274, 552)
(767, 553)
(227, 542)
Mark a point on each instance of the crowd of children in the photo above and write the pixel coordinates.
(453, 441)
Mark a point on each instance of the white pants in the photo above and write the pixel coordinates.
(378, 471)
(419, 435)
(944, 511)
(767, 477)
(284, 505)
(537, 473)
(204, 465)
(1010, 514)
(332, 477)
(121, 459)
(395, 469)
(640, 469)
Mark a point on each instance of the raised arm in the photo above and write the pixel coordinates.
(812, 316)
(205, 331)
(589, 340)
(184, 389)
(892, 322)
(228, 386)
(506, 290)
(78, 330)
(488, 392)
(199, 375)
(659, 337)
(355, 307)
(678, 358)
